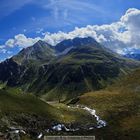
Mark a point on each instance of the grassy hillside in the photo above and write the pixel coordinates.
(34, 115)
(119, 105)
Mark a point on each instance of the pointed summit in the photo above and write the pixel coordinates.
(39, 52)
(41, 43)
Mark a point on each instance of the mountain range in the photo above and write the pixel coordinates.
(64, 71)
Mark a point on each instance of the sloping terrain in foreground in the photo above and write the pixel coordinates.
(28, 113)
(119, 105)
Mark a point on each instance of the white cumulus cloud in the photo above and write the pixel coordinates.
(117, 36)
(22, 41)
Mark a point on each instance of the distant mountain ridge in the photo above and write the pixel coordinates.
(135, 56)
(64, 71)
(133, 53)
(76, 42)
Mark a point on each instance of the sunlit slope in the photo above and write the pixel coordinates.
(119, 105)
(32, 114)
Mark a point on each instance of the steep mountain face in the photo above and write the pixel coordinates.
(22, 68)
(49, 72)
(10, 72)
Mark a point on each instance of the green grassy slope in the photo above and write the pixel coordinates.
(119, 105)
(34, 115)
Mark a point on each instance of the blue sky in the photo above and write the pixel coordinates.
(32, 17)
